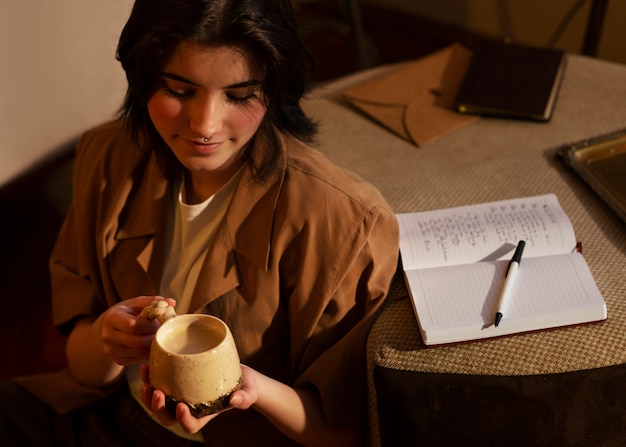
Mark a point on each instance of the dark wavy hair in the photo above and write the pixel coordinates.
(266, 30)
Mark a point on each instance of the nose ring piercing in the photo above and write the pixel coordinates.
(205, 139)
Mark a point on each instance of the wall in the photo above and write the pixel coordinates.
(58, 75)
(529, 22)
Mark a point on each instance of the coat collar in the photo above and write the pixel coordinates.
(245, 231)
(146, 209)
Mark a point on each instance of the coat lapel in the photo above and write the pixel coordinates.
(245, 231)
(135, 258)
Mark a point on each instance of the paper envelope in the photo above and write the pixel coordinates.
(415, 100)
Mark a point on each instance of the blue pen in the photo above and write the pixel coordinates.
(511, 273)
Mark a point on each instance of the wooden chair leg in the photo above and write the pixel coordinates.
(359, 41)
(594, 27)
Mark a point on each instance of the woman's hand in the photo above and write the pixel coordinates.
(241, 399)
(98, 349)
(125, 336)
(297, 413)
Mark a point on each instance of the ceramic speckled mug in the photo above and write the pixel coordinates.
(193, 359)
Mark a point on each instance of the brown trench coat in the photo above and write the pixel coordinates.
(298, 268)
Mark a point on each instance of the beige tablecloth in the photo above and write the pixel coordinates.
(493, 159)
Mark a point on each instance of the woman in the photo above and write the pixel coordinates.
(207, 192)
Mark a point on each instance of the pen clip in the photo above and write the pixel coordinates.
(517, 256)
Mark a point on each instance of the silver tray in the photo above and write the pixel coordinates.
(601, 163)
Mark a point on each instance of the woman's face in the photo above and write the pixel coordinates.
(207, 93)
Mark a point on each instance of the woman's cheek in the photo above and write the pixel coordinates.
(163, 111)
(250, 118)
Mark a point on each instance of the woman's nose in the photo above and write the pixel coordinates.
(206, 117)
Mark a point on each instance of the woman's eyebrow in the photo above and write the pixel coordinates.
(250, 83)
(175, 77)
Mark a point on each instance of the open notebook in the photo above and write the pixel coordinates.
(455, 261)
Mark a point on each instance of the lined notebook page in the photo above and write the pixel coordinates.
(484, 232)
(458, 303)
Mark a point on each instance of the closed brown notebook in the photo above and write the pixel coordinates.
(514, 81)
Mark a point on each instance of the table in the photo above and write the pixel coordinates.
(561, 387)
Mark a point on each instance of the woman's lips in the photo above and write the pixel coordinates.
(203, 148)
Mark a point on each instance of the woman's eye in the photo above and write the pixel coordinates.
(178, 94)
(235, 99)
